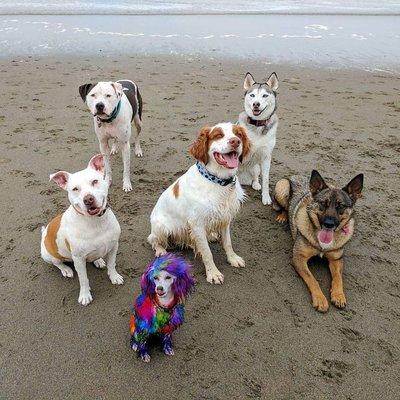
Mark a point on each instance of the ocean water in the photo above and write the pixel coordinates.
(200, 7)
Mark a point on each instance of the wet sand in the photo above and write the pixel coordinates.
(257, 336)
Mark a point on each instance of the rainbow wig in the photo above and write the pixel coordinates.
(148, 317)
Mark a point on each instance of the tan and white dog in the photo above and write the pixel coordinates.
(261, 123)
(114, 105)
(87, 231)
(201, 204)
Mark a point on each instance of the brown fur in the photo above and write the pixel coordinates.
(241, 133)
(51, 237)
(307, 202)
(175, 189)
(199, 148)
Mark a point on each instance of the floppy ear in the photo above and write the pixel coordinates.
(199, 149)
(97, 163)
(273, 81)
(241, 133)
(354, 187)
(248, 81)
(85, 89)
(317, 183)
(118, 88)
(146, 284)
(61, 178)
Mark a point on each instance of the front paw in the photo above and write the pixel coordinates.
(145, 357)
(127, 186)
(236, 261)
(320, 303)
(100, 263)
(266, 199)
(169, 351)
(116, 278)
(85, 297)
(256, 185)
(214, 276)
(338, 299)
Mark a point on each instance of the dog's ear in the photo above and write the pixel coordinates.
(85, 89)
(146, 284)
(60, 178)
(354, 187)
(97, 163)
(199, 149)
(118, 88)
(248, 81)
(273, 81)
(241, 133)
(317, 183)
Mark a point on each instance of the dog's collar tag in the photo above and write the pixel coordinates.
(212, 178)
(113, 115)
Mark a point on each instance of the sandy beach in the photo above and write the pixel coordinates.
(255, 337)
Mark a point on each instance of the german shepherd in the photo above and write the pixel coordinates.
(321, 222)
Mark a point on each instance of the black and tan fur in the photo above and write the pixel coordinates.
(310, 205)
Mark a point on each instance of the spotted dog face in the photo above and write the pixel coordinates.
(101, 98)
(260, 98)
(87, 189)
(221, 148)
(332, 208)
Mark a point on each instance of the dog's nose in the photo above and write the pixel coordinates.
(88, 200)
(100, 106)
(256, 104)
(329, 223)
(234, 142)
(160, 288)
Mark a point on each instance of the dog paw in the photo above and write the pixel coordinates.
(282, 217)
(215, 277)
(338, 299)
(160, 251)
(67, 272)
(236, 261)
(127, 186)
(134, 346)
(256, 185)
(169, 351)
(266, 199)
(116, 278)
(85, 297)
(100, 263)
(138, 151)
(145, 357)
(320, 303)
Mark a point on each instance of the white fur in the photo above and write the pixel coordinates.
(163, 282)
(91, 238)
(119, 130)
(258, 161)
(202, 211)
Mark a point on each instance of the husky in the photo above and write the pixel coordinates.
(261, 122)
(321, 219)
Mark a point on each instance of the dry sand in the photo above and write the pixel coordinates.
(257, 336)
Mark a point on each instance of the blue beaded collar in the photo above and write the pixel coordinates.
(212, 178)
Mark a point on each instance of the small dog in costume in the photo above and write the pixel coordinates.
(159, 309)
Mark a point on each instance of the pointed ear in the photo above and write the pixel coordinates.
(248, 81)
(97, 163)
(85, 89)
(61, 178)
(317, 183)
(241, 133)
(199, 149)
(273, 81)
(118, 88)
(354, 187)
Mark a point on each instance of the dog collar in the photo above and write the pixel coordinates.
(113, 115)
(212, 178)
(264, 122)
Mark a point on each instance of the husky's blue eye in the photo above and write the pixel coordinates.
(265, 95)
(252, 95)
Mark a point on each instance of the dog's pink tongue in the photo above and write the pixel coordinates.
(325, 236)
(232, 160)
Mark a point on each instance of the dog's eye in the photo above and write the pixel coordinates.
(156, 278)
(95, 182)
(265, 96)
(75, 189)
(341, 207)
(252, 95)
(322, 206)
(167, 278)
(108, 95)
(92, 95)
